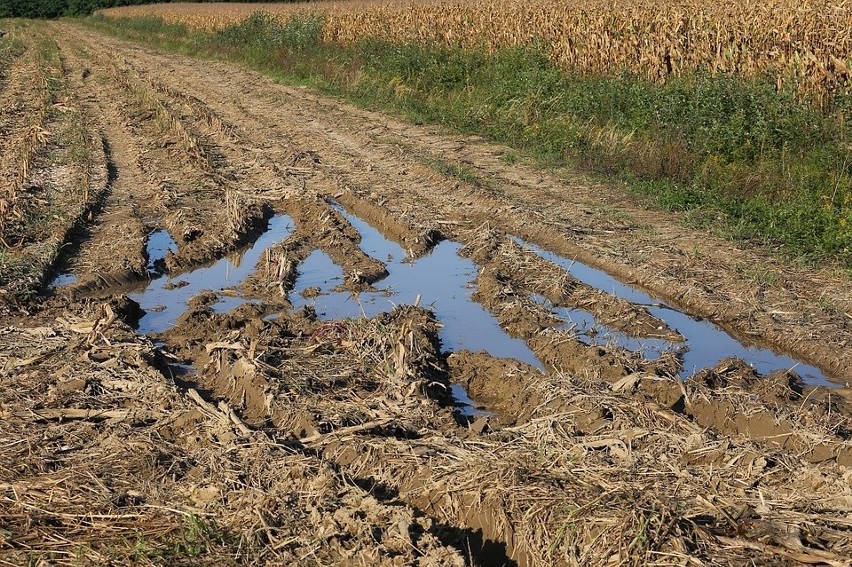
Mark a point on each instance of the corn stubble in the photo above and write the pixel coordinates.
(801, 44)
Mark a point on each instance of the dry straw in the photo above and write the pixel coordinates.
(806, 43)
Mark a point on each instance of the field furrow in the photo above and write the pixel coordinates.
(26, 104)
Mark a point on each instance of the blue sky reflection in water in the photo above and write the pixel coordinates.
(442, 279)
(165, 298)
(159, 243)
(705, 343)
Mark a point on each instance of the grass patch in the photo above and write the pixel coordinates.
(197, 541)
(50, 67)
(742, 158)
(11, 47)
(455, 170)
(12, 271)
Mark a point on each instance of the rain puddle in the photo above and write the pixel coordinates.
(441, 280)
(467, 406)
(63, 280)
(165, 298)
(159, 243)
(705, 344)
(591, 333)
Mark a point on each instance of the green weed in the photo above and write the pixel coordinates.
(456, 170)
(509, 158)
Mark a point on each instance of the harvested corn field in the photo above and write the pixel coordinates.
(804, 44)
(243, 323)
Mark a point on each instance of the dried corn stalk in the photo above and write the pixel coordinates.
(807, 43)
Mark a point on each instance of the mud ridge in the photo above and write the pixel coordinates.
(124, 412)
(64, 186)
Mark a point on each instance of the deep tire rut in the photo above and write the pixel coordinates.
(372, 156)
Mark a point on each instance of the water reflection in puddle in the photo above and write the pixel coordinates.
(705, 344)
(159, 243)
(591, 333)
(63, 280)
(442, 280)
(466, 405)
(165, 298)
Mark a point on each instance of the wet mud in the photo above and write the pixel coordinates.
(705, 344)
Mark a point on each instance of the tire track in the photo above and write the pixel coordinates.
(373, 157)
(332, 178)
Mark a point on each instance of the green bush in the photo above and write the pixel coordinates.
(263, 31)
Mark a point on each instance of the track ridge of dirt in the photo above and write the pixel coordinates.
(168, 196)
(22, 133)
(447, 477)
(112, 251)
(14, 78)
(64, 182)
(8, 60)
(536, 275)
(805, 312)
(125, 411)
(527, 320)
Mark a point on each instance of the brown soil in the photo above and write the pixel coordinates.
(238, 438)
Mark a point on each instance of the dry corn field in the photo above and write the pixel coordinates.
(243, 323)
(808, 43)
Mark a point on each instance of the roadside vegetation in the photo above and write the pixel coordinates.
(738, 155)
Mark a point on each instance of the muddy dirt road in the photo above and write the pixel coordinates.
(243, 323)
